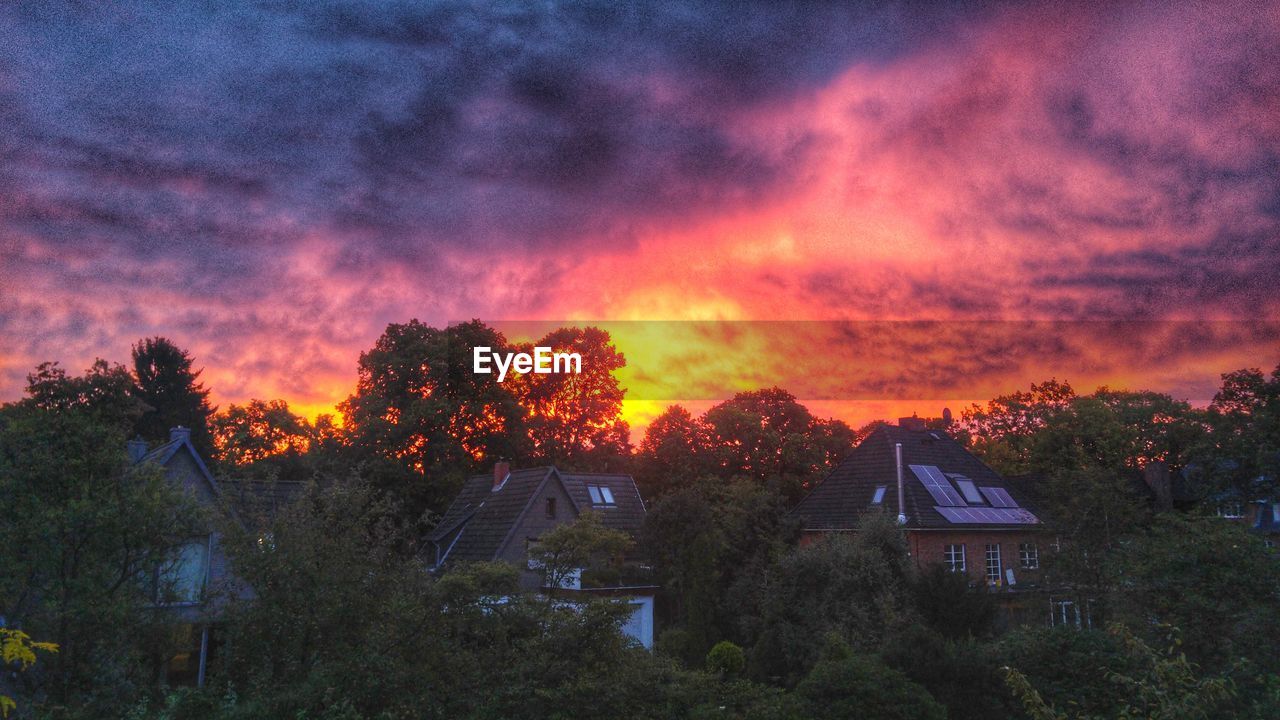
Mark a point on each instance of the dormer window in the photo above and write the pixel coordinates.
(600, 495)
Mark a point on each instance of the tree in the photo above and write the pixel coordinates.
(764, 435)
(166, 383)
(672, 453)
(707, 542)
(569, 548)
(575, 418)
(244, 434)
(853, 587)
(82, 533)
(1212, 579)
(1241, 454)
(339, 613)
(846, 685)
(420, 419)
(17, 648)
(1158, 686)
(1003, 431)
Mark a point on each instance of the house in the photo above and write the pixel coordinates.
(956, 511)
(500, 516)
(187, 587)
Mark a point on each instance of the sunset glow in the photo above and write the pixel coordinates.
(272, 208)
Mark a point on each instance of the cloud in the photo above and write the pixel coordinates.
(272, 184)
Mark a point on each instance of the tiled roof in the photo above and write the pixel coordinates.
(839, 501)
(255, 498)
(627, 514)
(487, 516)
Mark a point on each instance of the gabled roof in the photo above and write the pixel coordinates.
(479, 523)
(163, 454)
(841, 499)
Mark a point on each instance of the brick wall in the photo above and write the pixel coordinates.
(927, 548)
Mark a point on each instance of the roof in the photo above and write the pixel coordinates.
(261, 498)
(162, 455)
(846, 494)
(481, 519)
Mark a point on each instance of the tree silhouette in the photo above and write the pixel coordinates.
(165, 381)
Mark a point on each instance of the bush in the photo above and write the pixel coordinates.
(726, 659)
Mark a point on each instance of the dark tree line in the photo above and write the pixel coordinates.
(346, 624)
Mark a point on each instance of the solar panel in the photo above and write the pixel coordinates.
(987, 516)
(999, 497)
(937, 485)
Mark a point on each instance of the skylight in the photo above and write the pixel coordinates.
(600, 495)
(879, 496)
(968, 489)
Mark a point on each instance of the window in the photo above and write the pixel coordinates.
(1063, 611)
(993, 564)
(968, 489)
(1029, 556)
(953, 557)
(1231, 510)
(551, 508)
(600, 495)
(879, 496)
(182, 576)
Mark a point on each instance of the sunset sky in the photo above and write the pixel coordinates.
(270, 184)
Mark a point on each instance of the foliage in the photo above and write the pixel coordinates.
(948, 605)
(575, 418)
(257, 430)
(568, 548)
(1003, 431)
(763, 435)
(853, 587)
(17, 648)
(1242, 452)
(82, 534)
(422, 419)
(1069, 667)
(961, 673)
(1157, 686)
(329, 583)
(1212, 579)
(165, 382)
(707, 543)
(726, 659)
(860, 687)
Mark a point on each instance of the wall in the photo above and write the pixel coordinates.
(534, 523)
(927, 548)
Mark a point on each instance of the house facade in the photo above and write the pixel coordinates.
(187, 587)
(957, 512)
(500, 516)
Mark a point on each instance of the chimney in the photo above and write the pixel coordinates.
(180, 433)
(501, 470)
(137, 448)
(946, 417)
(912, 423)
(1156, 474)
(902, 508)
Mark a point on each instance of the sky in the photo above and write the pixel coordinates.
(955, 203)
